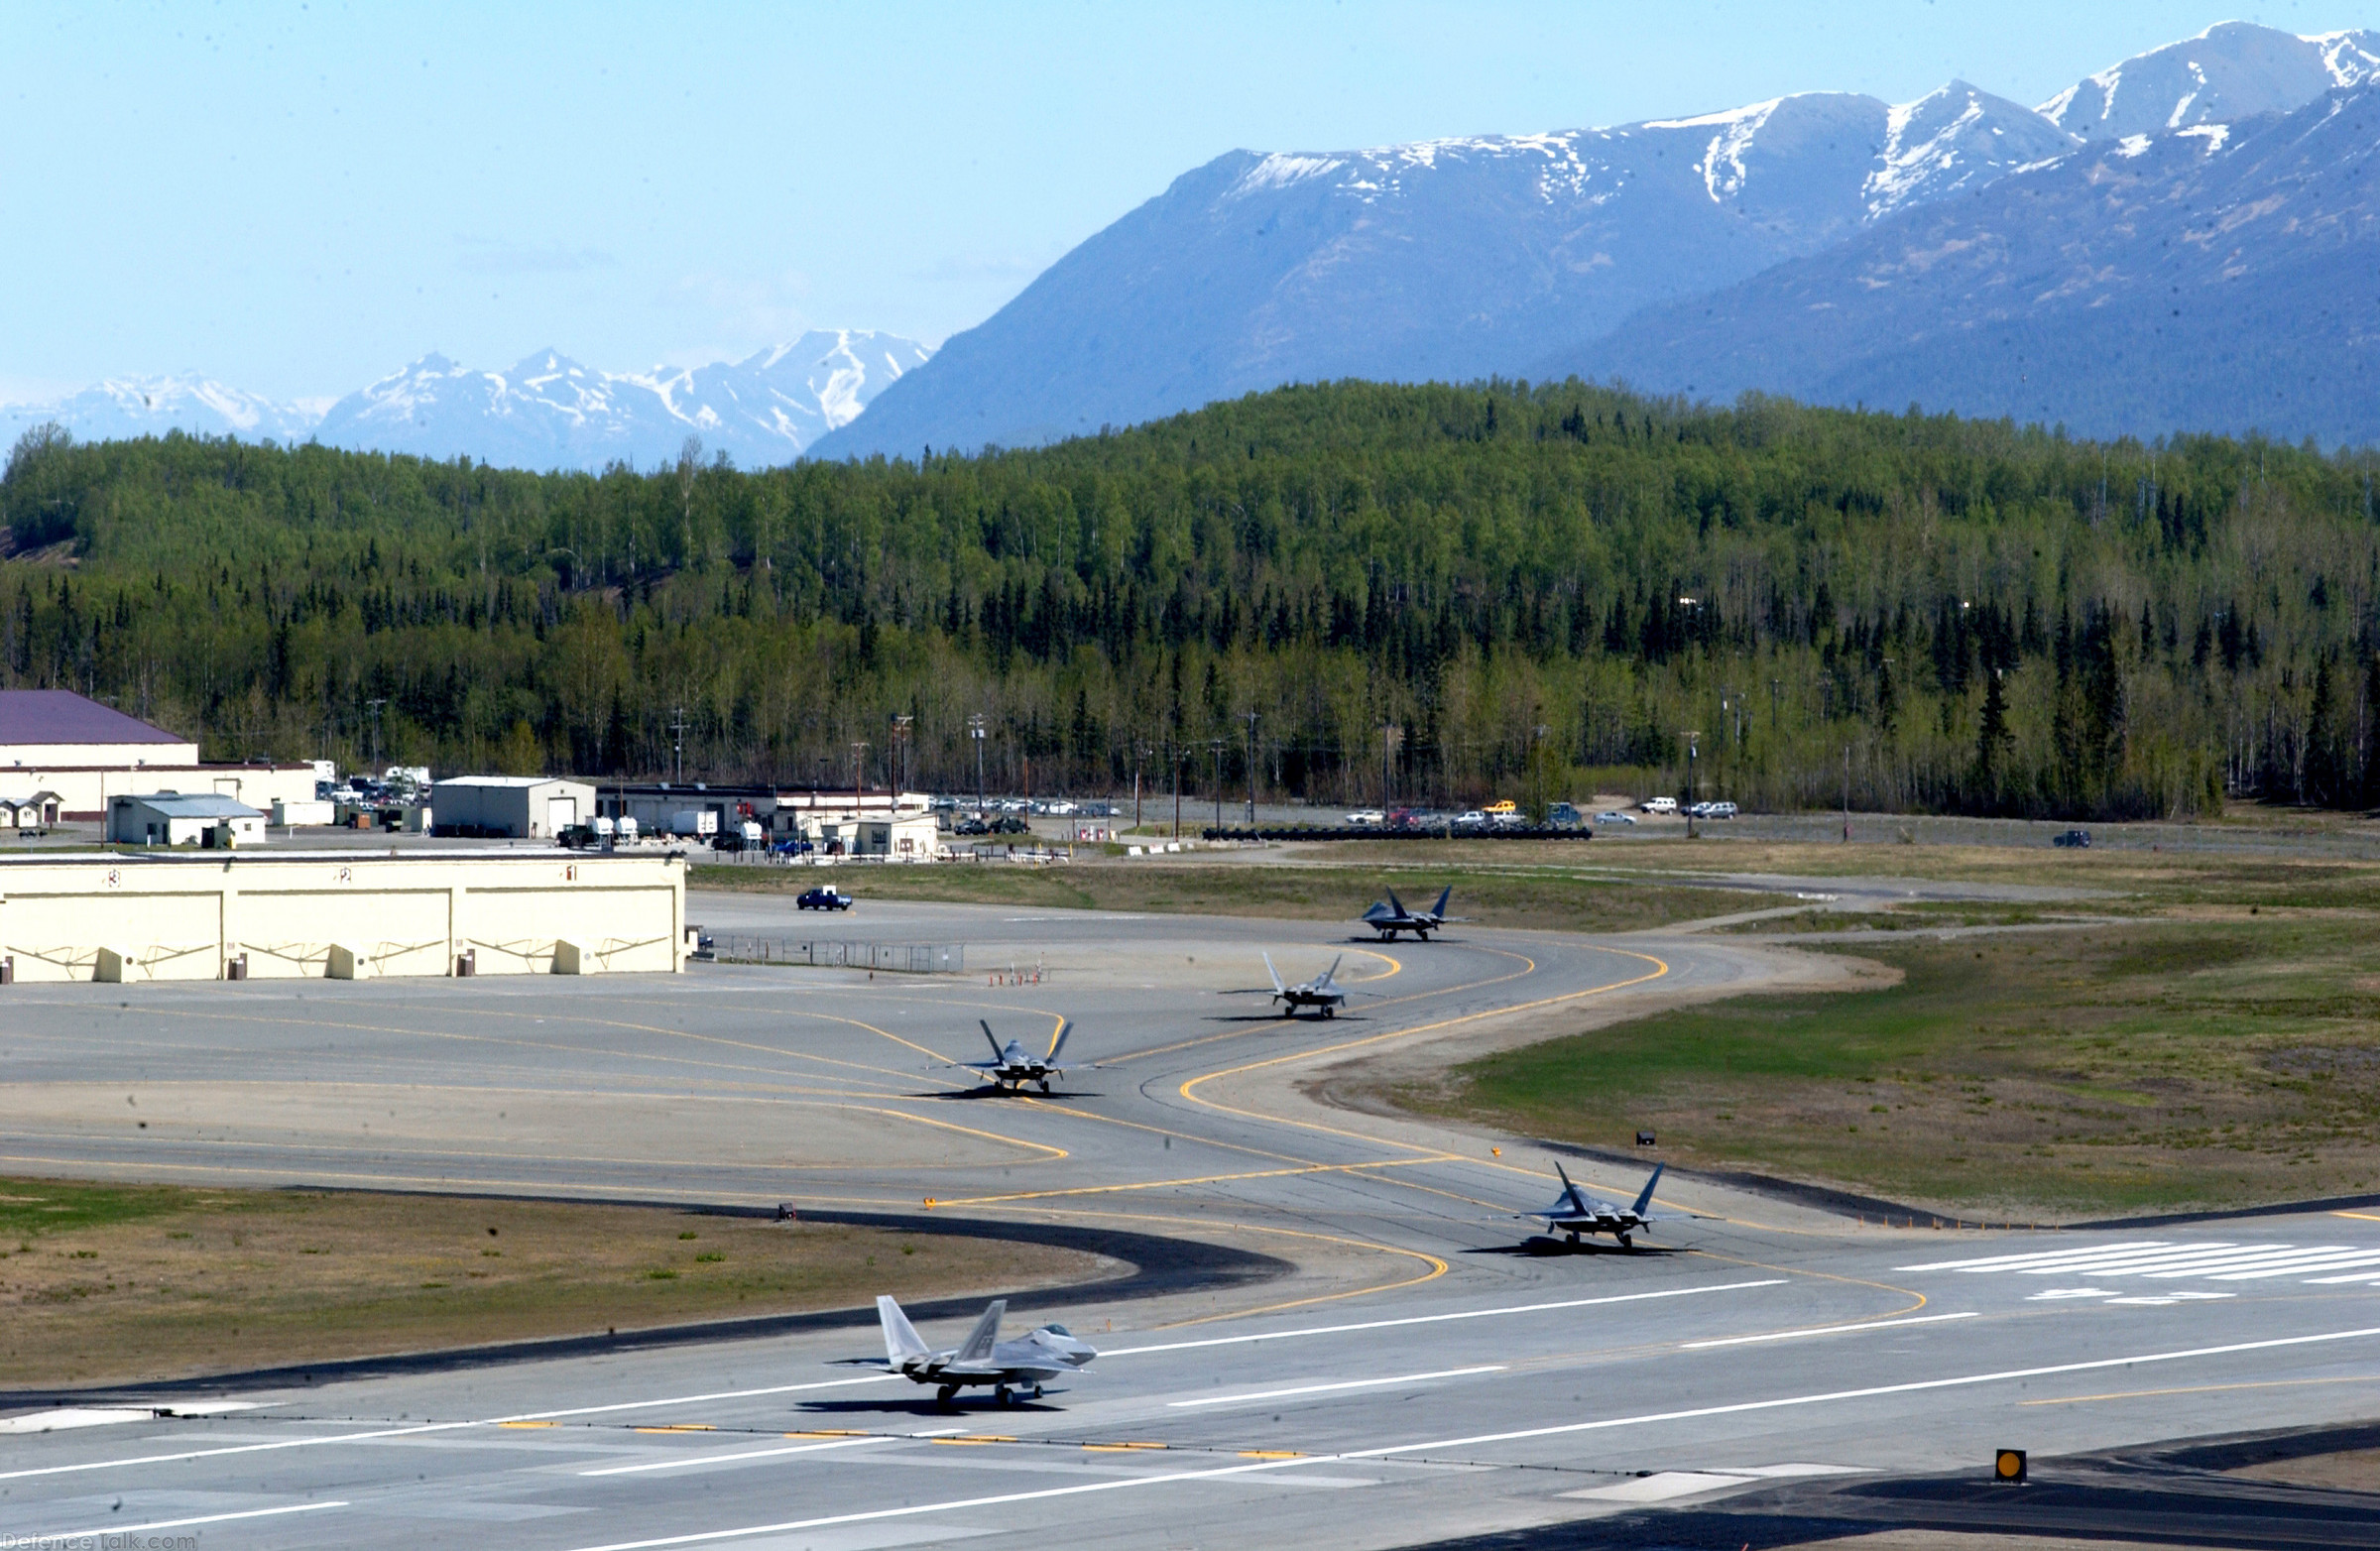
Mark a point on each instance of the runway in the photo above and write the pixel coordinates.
(1412, 1373)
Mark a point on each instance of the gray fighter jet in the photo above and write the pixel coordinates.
(1011, 1067)
(1011, 1367)
(1321, 992)
(1390, 917)
(1576, 1212)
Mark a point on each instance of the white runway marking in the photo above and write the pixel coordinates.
(959, 1504)
(107, 1534)
(2158, 1261)
(1347, 1383)
(1819, 1330)
(436, 1427)
(1436, 1319)
(691, 1461)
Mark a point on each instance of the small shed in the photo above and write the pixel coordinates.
(168, 818)
(36, 810)
(518, 807)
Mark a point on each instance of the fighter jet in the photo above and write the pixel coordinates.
(1321, 992)
(1576, 1212)
(1008, 1367)
(1393, 918)
(1011, 1067)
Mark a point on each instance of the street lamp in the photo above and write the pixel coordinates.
(1252, 769)
(1691, 750)
(1216, 745)
(975, 730)
(900, 739)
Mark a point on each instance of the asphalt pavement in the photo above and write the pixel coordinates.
(1358, 1343)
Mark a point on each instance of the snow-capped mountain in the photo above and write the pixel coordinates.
(549, 412)
(1444, 259)
(544, 411)
(2181, 281)
(1512, 255)
(2229, 71)
(153, 406)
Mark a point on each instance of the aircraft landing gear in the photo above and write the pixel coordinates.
(1574, 1237)
(1625, 1243)
(1045, 1087)
(1037, 1391)
(1330, 1011)
(1001, 1396)
(1290, 1012)
(944, 1394)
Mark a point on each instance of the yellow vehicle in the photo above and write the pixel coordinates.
(1493, 809)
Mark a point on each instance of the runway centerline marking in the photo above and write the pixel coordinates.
(1819, 1330)
(691, 1461)
(1435, 1319)
(1344, 1383)
(959, 1504)
(436, 1427)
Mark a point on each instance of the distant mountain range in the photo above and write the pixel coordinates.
(1826, 245)
(545, 411)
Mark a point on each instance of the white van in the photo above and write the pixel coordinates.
(1659, 804)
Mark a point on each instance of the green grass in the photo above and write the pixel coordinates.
(59, 1207)
(1542, 897)
(2111, 1070)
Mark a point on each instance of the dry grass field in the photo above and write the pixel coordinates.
(104, 1284)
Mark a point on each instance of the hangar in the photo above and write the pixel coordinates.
(83, 755)
(523, 807)
(166, 818)
(234, 915)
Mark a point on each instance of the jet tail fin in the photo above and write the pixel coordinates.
(978, 1345)
(900, 1336)
(1443, 894)
(1277, 987)
(1059, 1043)
(1644, 1197)
(997, 1054)
(1570, 1192)
(1330, 977)
(1397, 904)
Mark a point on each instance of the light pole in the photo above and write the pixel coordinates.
(1140, 754)
(1691, 750)
(975, 730)
(1846, 793)
(1216, 745)
(900, 739)
(1252, 769)
(1174, 757)
(374, 706)
(1537, 736)
(677, 743)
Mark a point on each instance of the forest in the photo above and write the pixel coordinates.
(1350, 592)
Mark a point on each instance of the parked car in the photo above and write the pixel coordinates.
(1615, 817)
(2072, 839)
(1659, 804)
(1511, 820)
(1718, 810)
(971, 826)
(1500, 808)
(795, 847)
(1010, 824)
(824, 900)
(941, 804)
(1563, 814)
(1473, 819)
(1366, 817)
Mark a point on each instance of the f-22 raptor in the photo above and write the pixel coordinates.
(1390, 917)
(1012, 1066)
(1011, 1367)
(1576, 1212)
(1321, 992)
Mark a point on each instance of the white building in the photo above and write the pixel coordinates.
(168, 818)
(29, 810)
(521, 807)
(87, 755)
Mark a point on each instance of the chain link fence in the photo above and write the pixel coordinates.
(907, 958)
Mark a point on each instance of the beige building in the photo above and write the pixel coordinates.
(87, 755)
(522, 808)
(221, 916)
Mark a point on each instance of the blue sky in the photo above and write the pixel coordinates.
(300, 198)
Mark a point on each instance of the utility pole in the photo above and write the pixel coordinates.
(859, 774)
(975, 730)
(677, 745)
(374, 706)
(1173, 756)
(1537, 736)
(1140, 754)
(901, 738)
(1846, 793)
(1252, 769)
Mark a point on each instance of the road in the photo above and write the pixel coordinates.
(1409, 1371)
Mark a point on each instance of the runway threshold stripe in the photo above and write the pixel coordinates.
(1819, 1330)
(959, 1504)
(436, 1427)
(1998, 1262)
(1345, 1383)
(1438, 1319)
(107, 1535)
